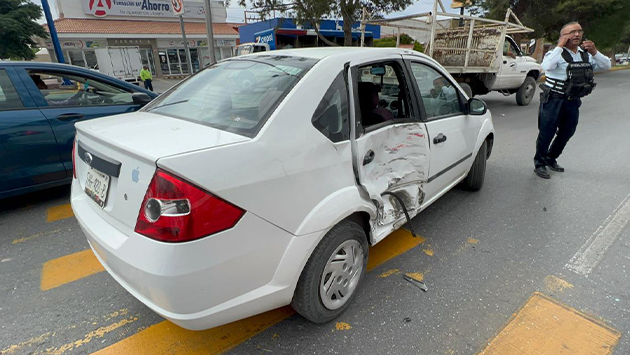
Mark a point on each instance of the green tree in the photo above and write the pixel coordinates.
(312, 11)
(602, 20)
(17, 27)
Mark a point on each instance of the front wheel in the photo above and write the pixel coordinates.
(331, 277)
(525, 93)
(476, 175)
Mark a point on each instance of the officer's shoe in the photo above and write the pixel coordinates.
(556, 167)
(542, 172)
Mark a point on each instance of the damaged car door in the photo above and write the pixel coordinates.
(390, 145)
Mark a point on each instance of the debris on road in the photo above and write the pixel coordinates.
(421, 285)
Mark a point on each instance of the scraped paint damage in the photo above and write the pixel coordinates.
(400, 166)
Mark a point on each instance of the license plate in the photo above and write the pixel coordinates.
(96, 186)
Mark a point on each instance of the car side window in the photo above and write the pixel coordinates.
(383, 94)
(331, 115)
(439, 96)
(62, 90)
(9, 98)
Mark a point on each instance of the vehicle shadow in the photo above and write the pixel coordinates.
(48, 197)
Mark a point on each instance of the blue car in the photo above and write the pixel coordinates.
(39, 104)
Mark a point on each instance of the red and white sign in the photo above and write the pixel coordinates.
(100, 8)
(178, 7)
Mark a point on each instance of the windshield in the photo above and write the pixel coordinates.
(235, 95)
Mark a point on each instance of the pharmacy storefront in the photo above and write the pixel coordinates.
(148, 27)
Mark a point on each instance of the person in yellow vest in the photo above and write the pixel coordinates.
(146, 77)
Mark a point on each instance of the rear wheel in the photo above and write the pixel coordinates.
(467, 89)
(474, 180)
(525, 93)
(331, 277)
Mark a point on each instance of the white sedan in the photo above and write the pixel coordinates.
(262, 180)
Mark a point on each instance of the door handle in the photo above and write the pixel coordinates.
(70, 116)
(369, 156)
(513, 65)
(439, 139)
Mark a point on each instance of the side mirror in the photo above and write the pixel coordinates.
(140, 98)
(477, 107)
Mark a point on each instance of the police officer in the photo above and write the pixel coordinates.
(569, 71)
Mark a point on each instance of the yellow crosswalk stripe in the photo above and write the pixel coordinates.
(543, 326)
(167, 338)
(59, 212)
(69, 268)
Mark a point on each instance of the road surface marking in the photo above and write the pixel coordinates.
(545, 327)
(593, 251)
(555, 284)
(342, 326)
(31, 346)
(59, 212)
(395, 244)
(33, 342)
(69, 268)
(98, 333)
(167, 338)
(22, 240)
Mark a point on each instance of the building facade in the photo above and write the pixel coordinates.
(148, 25)
(284, 33)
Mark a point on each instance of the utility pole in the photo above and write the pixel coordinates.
(181, 22)
(53, 32)
(213, 58)
(363, 28)
(178, 10)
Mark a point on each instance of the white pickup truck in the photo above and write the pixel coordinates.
(478, 52)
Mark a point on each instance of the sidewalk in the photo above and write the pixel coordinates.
(161, 85)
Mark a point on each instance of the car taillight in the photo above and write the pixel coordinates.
(174, 210)
(74, 165)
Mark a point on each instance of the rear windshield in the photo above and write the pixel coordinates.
(236, 95)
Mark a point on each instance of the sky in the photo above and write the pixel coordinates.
(236, 13)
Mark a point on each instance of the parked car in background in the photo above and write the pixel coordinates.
(39, 105)
(261, 180)
(622, 59)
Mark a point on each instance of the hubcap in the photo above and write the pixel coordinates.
(341, 274)
(529, 91)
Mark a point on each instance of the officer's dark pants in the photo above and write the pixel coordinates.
(557, 116)
(148, 84)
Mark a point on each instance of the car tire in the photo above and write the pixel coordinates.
(525, 93)
(474, 180)
(327, 267)
(467, 89)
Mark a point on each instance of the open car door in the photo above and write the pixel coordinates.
(389, 144)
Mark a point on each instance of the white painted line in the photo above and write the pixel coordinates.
(592, 252)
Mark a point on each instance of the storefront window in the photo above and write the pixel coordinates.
(90, 59)
(227, 52)
(173, 62)
(194, 56)
(183, 60)
(76, 58)
(163, 62)
(147, 59)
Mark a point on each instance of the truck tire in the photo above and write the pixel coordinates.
(345, 244)
(525, 93)
(467, 89)
(474, 180)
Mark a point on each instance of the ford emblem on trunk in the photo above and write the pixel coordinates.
(88, 158)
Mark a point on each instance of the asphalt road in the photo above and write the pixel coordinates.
(485, 257)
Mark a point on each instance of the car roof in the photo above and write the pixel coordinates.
(347, 52)
(74, 68)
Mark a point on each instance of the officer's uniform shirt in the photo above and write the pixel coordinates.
(556, 67)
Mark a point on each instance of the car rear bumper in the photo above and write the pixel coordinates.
(249, 269)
